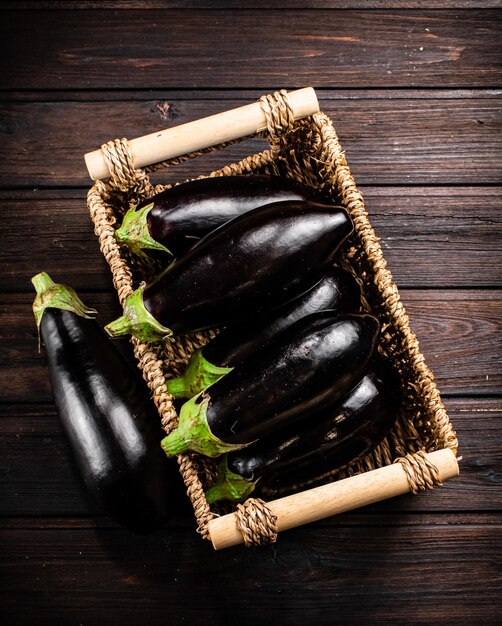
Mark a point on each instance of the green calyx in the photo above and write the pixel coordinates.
(137, 321)
(193, 432)
(51, 295)
(229, 485)
(198, 375)
(134, 232)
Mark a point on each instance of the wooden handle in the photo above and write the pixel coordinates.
(208, 131)
(338, 497)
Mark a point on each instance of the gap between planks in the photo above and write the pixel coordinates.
(354, 93)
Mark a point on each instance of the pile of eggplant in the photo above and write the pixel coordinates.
(293, 385)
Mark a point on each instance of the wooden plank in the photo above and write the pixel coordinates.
(439, 236)
(60, 235)
(446, 322)
(40, 478)
(96, 49)
(387, 141)
(429, 235)
(360, 518)
(458, 333)
(250, 4)
(425, 573)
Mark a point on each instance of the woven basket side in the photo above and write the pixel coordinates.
(401, 342)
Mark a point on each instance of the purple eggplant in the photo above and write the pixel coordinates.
(110, 421)
(246, 267)
(338, 291)
(175, 219)
(311, 364)
(330, 438)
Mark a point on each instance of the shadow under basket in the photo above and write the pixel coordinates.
(308, 151)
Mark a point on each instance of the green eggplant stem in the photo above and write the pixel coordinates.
(51, 295)
(137, 321)
(229, 485)
(193, 432)
(134, 232)
(198, 375)
(177, 387)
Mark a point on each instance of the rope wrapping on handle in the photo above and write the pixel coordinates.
(123, 177)
(280, 118)
(256, 523)
(420, 472)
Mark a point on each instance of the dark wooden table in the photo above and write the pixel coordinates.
(414, 91)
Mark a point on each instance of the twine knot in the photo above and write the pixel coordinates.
(123, 176)
(279, 117)
(420, 472)
(256, 522)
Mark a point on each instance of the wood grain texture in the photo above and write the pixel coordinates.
(245, 95)
(336, 575)
(442, 237)
(250, 4)
(458, 333)
(33, 432)
(95, 49)
(387, 141)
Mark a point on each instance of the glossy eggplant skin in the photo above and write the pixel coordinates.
(311, 364)
(254, 263)
(185, 213)
(331, 438)
(110, 421)
(338, 291)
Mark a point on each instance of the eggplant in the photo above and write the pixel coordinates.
(110, 421)
(246, 267)
(314, 362)
(175, 219)
(330, 438)
(338, 290)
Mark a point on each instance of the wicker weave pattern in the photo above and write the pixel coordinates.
(308, 151)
